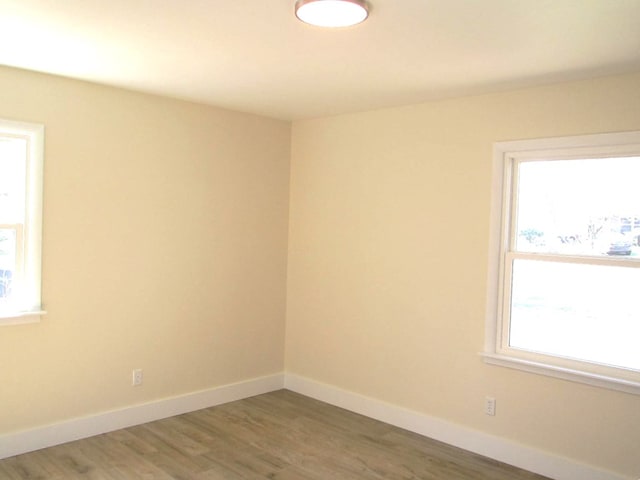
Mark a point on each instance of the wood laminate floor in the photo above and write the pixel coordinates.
(279, 435)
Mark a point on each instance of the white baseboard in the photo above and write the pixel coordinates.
(534, 460)
(512, 453)
(29, 440)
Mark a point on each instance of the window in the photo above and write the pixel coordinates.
(21, 158)
(564, 285)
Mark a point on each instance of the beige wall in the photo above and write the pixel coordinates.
(165, 236)
(165, 248)
(388, 246)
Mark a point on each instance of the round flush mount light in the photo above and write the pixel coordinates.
(332, 13)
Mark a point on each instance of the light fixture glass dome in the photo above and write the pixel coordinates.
(332, 13)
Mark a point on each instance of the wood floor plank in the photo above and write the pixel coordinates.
(277, 436)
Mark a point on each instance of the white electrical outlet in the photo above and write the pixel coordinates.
(490, 406)
(136, 377)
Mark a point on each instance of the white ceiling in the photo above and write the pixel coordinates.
(255, 56)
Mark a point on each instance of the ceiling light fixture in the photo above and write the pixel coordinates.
(332, 13)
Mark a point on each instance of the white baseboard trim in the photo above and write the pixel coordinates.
(513, 453)
(29, 440)
(503, 450)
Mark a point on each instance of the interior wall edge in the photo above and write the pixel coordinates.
(497, 448)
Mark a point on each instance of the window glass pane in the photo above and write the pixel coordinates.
(13, 152)
(21, 163)
(7, 261)
(584, 312)
(579, 207)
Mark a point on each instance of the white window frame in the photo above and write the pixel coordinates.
(29, 247)
(496, 348)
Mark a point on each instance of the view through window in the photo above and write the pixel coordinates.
(581, 301)
(13, 154)
(21, 160)
(565, 278)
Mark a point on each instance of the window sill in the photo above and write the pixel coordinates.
(602, 381)
(19, 318)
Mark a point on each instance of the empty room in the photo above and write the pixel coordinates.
(258, 239)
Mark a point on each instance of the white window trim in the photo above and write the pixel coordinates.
(32, 273)
(616, 143)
